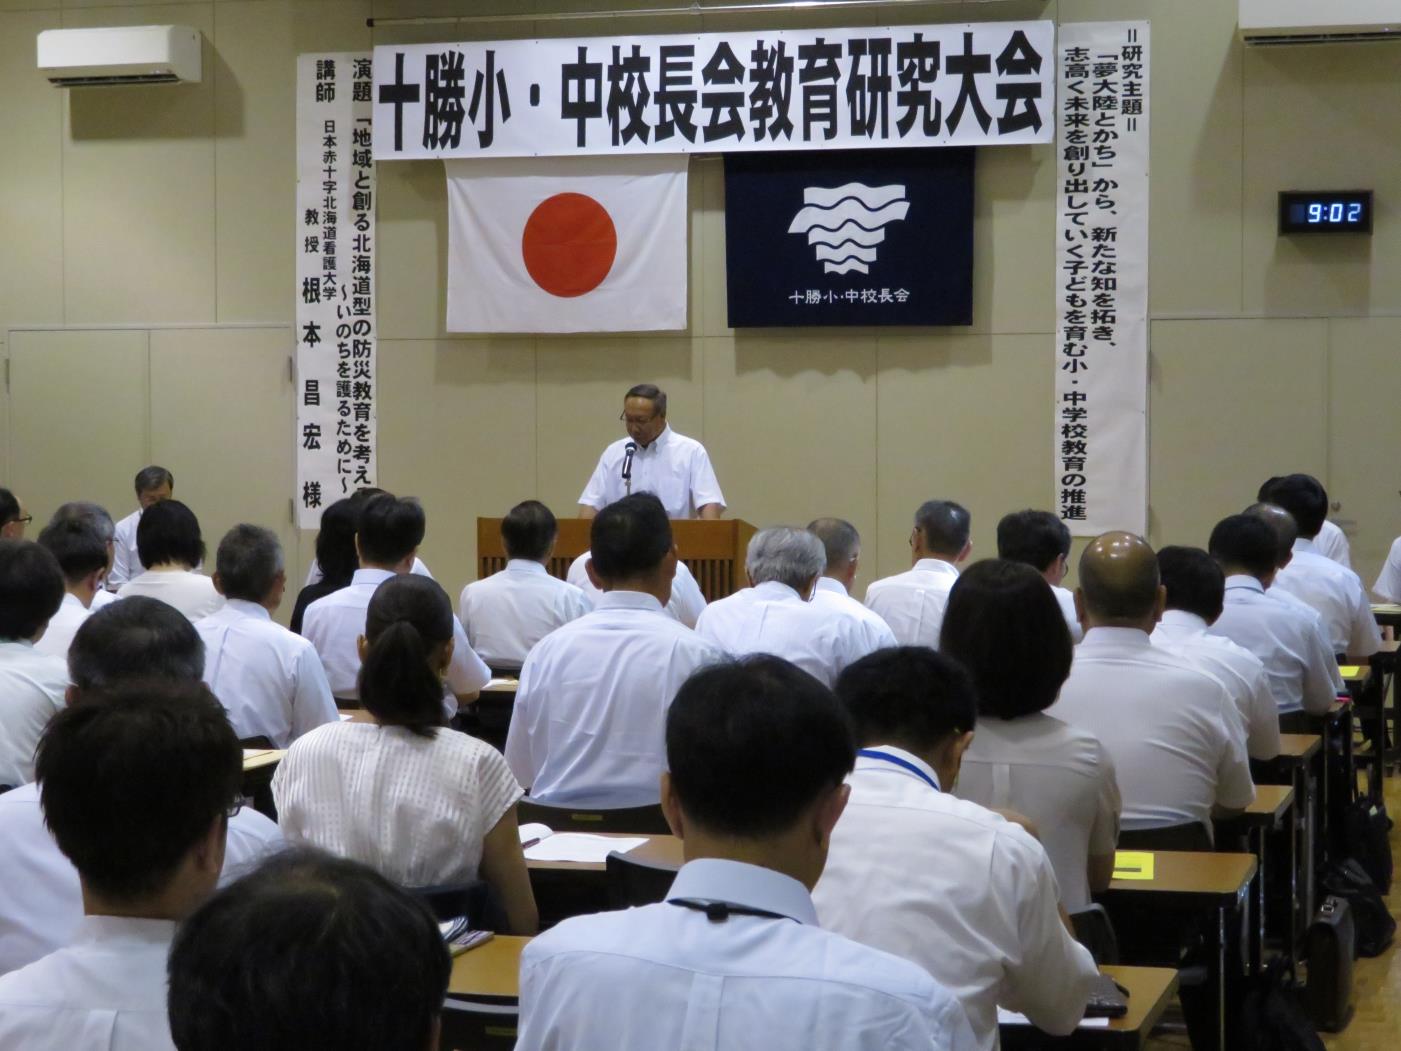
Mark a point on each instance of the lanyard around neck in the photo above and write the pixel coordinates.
(871, 753)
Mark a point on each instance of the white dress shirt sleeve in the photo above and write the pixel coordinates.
(123, 547)
(1388, 585)
(1109, 805)
(312, 703)
(1262, 724)
(1365, 637)
(520, 756)
(595, 494)
(1235, 788)
(467, 673)
(687, 602)
(1322, 681)
(705, 487)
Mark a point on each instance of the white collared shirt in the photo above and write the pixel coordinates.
(1060, 777)
(41, 900)
(1388, 585)
(126, 561)
(1065, 598)
(665, 976)
(269, 680)
(104, 992)
(416, 808)
(913, 602)
(507, 613)
(686, 604)
(832, 595)
(193, 594)
(1299, 663)
(32, 688)
(1236, 668)
(1336, 594)
(676, 468)
(773, 618)
(1176, 739)
(1332, 543)
(335, 623)
(957, 889)
(63, 625)
(588, 728)
(315, 576)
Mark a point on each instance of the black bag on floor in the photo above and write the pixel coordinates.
(1371, 919)
(1269, 1019)
(1367, 839)
(1332, 946)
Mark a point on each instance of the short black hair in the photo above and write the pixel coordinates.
(308, 951)
(408, 615)
(168, 532)
(248, 561)
(629, 537)
(390, 528)
(944, 526)
(840, 540)
(152, 477)
(9, 507)
(908, 695)
(31, 588)
(528, 530)
(335, 541)
(1036, 538)
(133, 778)
(752, 744)
(1244, 542)
(78, 546)
(136, 638)
(1303, 496)
(651, 392)
(1194, 581)
(1004, 625)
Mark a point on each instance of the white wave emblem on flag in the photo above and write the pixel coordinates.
(846, 223)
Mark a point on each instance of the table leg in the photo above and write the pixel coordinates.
(1256, 958)
(1294, 890)
(1217, 979)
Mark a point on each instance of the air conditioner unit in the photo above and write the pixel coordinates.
(73, 58)
(1278, 22)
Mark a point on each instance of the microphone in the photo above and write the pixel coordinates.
(628, 450)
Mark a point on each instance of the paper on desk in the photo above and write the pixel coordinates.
(1133, 864)
(496, 682)
(1005, 1017)
(345, 717)
(1350, 671)
(536, 832)
(582, 847)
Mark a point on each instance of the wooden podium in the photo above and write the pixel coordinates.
(714, 551)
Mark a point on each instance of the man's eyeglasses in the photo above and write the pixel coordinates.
(21, 519)
(639, 420)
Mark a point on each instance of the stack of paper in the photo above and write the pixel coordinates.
(581, 847)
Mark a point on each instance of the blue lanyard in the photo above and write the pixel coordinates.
(871, 753)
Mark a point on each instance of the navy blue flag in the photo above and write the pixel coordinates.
(859, 237)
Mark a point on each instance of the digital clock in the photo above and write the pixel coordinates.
(1325, 211)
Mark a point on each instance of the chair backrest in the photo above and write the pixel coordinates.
(475, 900)
(634, 882)
(472, 1026)
(1190, 836)
(641, 820)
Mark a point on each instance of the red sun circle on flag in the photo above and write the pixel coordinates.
(569, 244)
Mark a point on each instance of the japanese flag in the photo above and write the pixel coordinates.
(575, 244)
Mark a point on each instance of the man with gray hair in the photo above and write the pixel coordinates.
(153, 484)
(843, 546)
(97, 517)
(775, 613)
(913, 602)
(271, 681)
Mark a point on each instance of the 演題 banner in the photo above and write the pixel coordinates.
(935, 85)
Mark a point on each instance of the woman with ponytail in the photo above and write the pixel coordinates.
(423, 804)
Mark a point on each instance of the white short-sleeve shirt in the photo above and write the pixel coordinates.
(1332, 542)
(913, 602)
(686, 604)
(1336, 594)
(126, 562)
(773, 618)
(1173, 733)
(676, 468)
(415, 808)
(63, 625)
(507, 613)
(1065, 598)
(193, 594)
(1388, 585)
(315, 576)
(1060, 777)
(833, 596)
(957, 889)
(32, 687)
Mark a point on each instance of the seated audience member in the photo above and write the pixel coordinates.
(172, 549)
(1173, 733)
(1041, 540)
(1196, 590)
(423, 804)
(13, 517)
(315, 574)
(841, 544)
(735, 951)
(1005, 627)
(1289, 641)
(297, 955)
(31, 683)
(1388, 585)
(82, 556)
(945, 883)
(775, 615)
(590, 713)
(269, 680)
(388, 532)
(153, 484)
(137, 788)
(913, 602)
(1331, 541)
(507, 613)
(335, 555)
(1334, 592)
(96, 516)
(41, 902)
(686, 604)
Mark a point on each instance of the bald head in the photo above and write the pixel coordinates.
(1119, 585)
(1282, 525)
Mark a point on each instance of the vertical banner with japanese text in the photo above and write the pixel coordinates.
(335, 281)
(1101, 390)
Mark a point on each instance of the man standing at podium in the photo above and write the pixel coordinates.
(654, 459)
